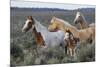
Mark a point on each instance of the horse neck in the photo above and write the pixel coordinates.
(73, 29)
(39, 27)
(83, 23)
(39, 39)
(35, 31)
(63, 25)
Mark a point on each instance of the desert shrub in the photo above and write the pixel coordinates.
(66, 59)
(52, 61)
(47, 55)
(16, 51)
(87, 53)
(27, 44)
(28, 59)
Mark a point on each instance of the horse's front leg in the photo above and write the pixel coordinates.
(66, 50)
(74, 50)
(71, 52)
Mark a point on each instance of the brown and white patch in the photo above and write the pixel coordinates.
(28, 24)
(39, 38)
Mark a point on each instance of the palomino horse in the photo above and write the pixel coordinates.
(81, 20)
(83, 35)
(44, 38)
(83, 24)
(71, 43)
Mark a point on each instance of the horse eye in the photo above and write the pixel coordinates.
(80, 16)
(30, 22)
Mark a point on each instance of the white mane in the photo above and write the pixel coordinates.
(39, 27)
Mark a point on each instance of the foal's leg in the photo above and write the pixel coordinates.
(75, 52)
(70, 50)
(65, 49)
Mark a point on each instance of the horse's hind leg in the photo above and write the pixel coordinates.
(90, 41)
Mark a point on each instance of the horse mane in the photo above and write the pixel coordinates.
(84, 23)
(66, 23)
(39, 27)
(83, 17)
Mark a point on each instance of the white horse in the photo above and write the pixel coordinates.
(50, 39)
(81, 20)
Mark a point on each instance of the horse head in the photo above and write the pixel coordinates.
(53, 25)
(78, 18)
(28, 24)
(67, 34)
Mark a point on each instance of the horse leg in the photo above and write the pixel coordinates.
(68, 52)
(75, 51)
(71, 53)
(65, 49)
(90, 39)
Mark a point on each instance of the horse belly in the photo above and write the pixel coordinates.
(85, 34)
(55, 40)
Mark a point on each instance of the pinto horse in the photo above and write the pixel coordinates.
(71, 43)
(84, 35)
(81, 20)
(43, 36)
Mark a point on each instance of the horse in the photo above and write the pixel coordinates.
(82, 22)
(84, 34)
(44, 38)
(38, 37)
(71, 43)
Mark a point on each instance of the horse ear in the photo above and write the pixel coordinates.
(30, 17)
(54, 17)
(78, 12)
(67, 30)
